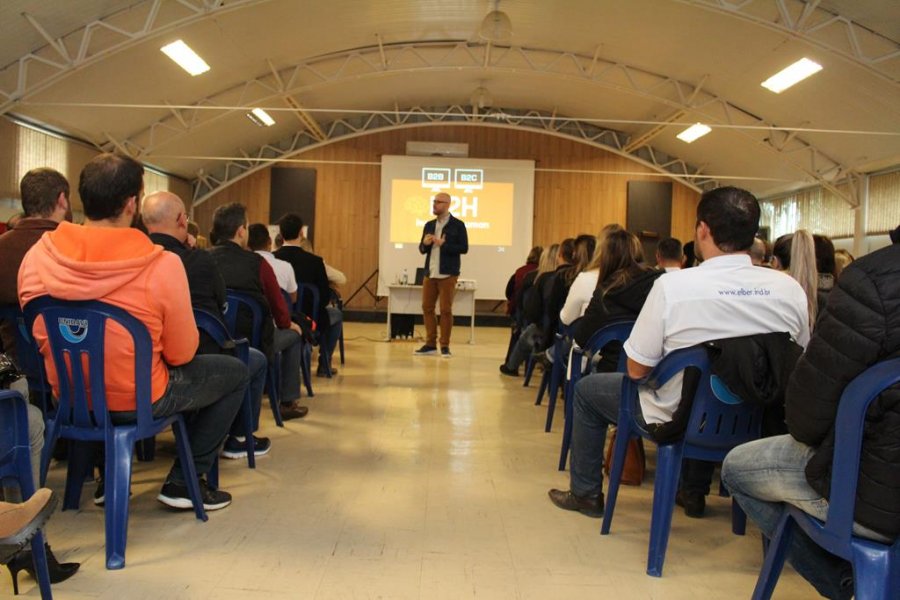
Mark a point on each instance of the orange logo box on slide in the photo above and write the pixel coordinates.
(488, 212)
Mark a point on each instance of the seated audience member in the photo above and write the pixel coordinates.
(758, 253)
(164, 217)
(552, 293)
(842, 260)
(669, 255)
(260, 242)
(699, 305)
(247, 272)
(531, 320)
(582, 288)
(309, 268)
(797, 468)
(624, 283)
(803, 269)
(106, 259)
(690, 257)
(826, 270)
(515, 280)
(45, 204)
(335, 277)
(781, 252)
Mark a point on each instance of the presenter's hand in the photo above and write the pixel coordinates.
(439, 241)
(428, 239)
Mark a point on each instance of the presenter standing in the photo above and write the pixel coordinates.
(444, 239)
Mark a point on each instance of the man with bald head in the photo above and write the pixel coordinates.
(164, 216)
(444, 239)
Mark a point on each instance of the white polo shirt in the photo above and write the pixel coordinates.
(724, 297)
(284, 272)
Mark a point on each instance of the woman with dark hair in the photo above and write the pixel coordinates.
(781, 252)
(585, 281)
(514, 285)
(623, 283)
(826, 268)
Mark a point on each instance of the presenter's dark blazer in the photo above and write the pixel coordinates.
(456, 242)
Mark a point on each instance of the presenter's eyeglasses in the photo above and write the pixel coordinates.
(440, 201)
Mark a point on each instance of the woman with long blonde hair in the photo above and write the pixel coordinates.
(583, 286)
(803, 269)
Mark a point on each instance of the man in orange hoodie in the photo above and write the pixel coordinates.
(106, 259)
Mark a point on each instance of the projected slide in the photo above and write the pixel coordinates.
(495, 199)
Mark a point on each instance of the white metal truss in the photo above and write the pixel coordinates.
(819, 27)
(453, 56)
(99, 39)
(207, 184)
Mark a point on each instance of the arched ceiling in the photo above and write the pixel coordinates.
(642, 70)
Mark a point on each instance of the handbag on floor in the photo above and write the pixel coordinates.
(635, 460)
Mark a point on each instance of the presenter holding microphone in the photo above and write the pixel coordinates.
(444, 239)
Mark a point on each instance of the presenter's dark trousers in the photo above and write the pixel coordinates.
(432, 289)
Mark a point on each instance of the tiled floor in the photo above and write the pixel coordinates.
(412, 477)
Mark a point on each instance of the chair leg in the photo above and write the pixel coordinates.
(186, 459)
(875, 575)
(774, 559)
(341, 344)
(668, 470)
(250, 444)
(306, 367)
(51, 435)
(545, 381)
(620, 449)
(41, 571)
(272, 389)
(568, 396)
(117, 482)
(738, 519)
(529, 369)
(79, 468)
(146, 449)
(552, 393)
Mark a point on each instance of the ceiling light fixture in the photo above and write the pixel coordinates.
(481, 98)
(496, 26)
(697, 130)
(185, 57)
(791, 75)
(260, 117)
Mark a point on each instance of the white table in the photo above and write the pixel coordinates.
(407, 300)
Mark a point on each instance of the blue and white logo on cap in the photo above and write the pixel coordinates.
(73, 330)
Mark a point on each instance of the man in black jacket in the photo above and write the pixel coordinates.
(165, 219)
(310, 269)
(444, 239)
(859, 327)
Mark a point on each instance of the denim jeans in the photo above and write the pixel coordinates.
(596, 407)
(289, 343)
(209, 390)
(764, 474)
(257, 366)
(331, 335)
(523, 348)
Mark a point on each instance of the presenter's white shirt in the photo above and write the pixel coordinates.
(724, 297)
(284, 272)
(579, 296)
(434, 264)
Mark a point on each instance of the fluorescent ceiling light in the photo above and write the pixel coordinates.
(697, 130)
(186, 58)
(261, 117)
(791, 75)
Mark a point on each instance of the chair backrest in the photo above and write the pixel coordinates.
(76, 333)
(15, 449)
(848, 434)
(235, 301)
(216, 329)
(28, 357)
(617, 331)
(302, 290)
(714, 426)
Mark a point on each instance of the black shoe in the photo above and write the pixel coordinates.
(292, 411)
(445, 352)
(321, 372)
(426, 350)
(507, 371)
(566, 500)
(176, 495)
(23, 561)
(235, 448)
(694, 503)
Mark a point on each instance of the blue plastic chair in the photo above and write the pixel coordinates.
(214, 328)
(553, 380)
(306, 352)
(302, 290)
(15, 463)
(28, 357)
(613, 332)
(876, 566)
(339, 304)
(76, 331)
(713, 429)
(235, 300)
